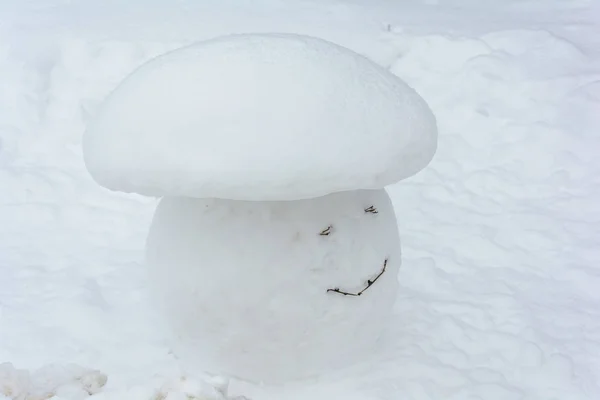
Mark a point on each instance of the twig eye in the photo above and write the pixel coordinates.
(372, 210)
(326, 231)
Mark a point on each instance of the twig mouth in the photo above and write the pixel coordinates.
(369, 284)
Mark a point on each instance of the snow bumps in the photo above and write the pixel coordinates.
(271, 153)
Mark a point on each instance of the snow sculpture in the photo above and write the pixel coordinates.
(274, 250)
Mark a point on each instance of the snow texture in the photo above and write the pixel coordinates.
(244, 284)
(73, 382)
(259, 117)
(49, 382)
(500, 234)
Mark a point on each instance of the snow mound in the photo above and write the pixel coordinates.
(71, 382)
(170, 388)
(259, 117)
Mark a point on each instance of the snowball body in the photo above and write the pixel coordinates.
(259, 117)
(243, 284)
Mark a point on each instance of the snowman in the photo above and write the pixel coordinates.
(274, 250)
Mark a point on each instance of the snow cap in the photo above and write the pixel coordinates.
(259, 117)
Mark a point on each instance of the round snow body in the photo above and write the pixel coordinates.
(269, 291)
(259, 117)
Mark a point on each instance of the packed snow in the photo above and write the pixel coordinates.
(259, 117)
(70, 381)
(498, 295)
(50, 381)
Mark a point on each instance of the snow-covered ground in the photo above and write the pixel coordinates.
(500, 283)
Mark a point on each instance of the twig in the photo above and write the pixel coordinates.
(371, 210)
(369, 284)
(326, 231)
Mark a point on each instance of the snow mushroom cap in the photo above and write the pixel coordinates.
(259, 117)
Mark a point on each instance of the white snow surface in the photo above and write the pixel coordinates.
(49, 381)
(259, 117)
(73, 382)
(499, 282)
(270, 265)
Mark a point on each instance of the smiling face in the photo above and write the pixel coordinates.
(245, 285)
